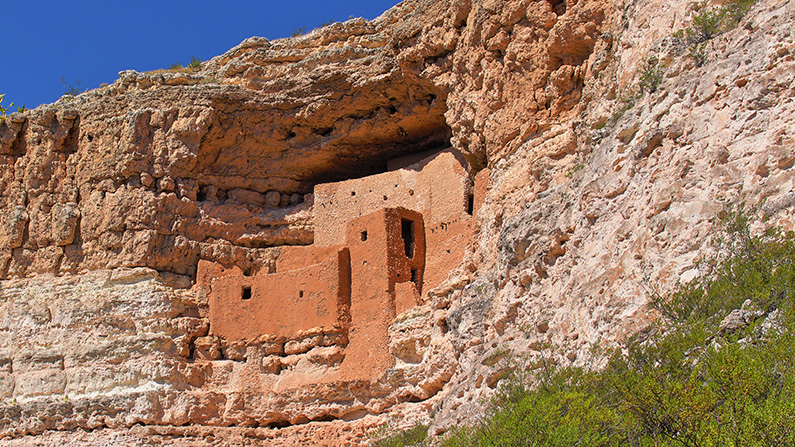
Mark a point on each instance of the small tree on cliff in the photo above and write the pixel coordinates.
(3, 110)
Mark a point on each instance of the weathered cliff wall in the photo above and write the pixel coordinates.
(110, 199)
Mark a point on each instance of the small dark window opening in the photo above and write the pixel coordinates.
(558, 6)
(415, 276)
(470, 204)
(246, 292)
(407, 231)
(364, 236)
(300, 294)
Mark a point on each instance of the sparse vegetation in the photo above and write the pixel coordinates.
(625, 102)
(499, 354)
(72, 90)
(195, 63)
(574, 169)
(698, 52)
(298, 32)
(651, 74)
(4, 110)
(708, 22)
(414, 436)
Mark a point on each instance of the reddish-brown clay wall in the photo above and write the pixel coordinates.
(281, 305)
(436, 187)
(380, 243)
(371, 306)
(297, 257)
(448, 239)
(406, 297)
(447, 243)
(402, 267)
(378, 262)
(481, 186)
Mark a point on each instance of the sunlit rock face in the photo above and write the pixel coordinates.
(373, 223)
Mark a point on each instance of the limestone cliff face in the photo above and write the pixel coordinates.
(109, 200)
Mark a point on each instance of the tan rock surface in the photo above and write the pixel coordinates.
(109, 200)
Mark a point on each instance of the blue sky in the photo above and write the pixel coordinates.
(90, 41)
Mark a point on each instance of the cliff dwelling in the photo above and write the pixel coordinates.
(381, 242)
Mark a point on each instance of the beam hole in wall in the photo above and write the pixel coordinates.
(386, 198)
(300, 294)
(353, 193)
(407, 231)
(364, 236)
(470, 204)
(246, 295)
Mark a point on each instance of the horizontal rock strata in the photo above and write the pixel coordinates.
(596, 190)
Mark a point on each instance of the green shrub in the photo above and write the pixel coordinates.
(709, 21)
(736, 10)
(4, 110)
(195, 63)
(414, 436)
(691, 384)
(698, 53)
(574, 169)
(651, 74)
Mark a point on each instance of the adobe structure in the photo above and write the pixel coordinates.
(381, 243)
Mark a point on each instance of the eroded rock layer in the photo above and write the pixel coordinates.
(578, 188)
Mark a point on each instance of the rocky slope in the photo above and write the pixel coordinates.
(597, 194)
